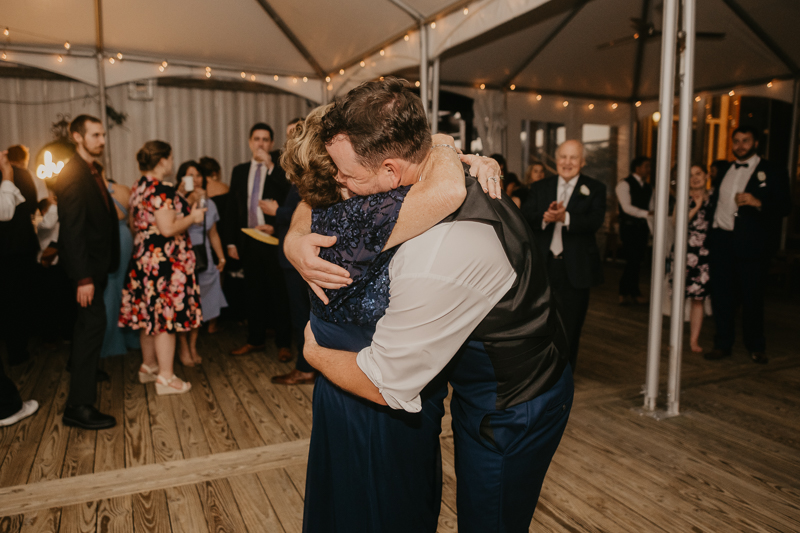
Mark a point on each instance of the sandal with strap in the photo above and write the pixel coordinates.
(147, 374)
(164, 386)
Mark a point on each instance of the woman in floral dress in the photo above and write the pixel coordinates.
(701, 216)
(161, 295)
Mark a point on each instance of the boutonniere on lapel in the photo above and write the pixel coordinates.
(584, 190)
(762, 176)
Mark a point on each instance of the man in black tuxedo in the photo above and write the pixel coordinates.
(253, 184)
(89, 250)
(635, 197)
(565, 212)
(751, 201)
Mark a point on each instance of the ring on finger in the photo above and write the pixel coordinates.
(493, 178)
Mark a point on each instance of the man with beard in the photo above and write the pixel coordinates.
(751, 201)
(89, 248)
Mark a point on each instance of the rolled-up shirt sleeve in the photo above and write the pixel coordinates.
(433, 310)
(10, 198)
(624, 197)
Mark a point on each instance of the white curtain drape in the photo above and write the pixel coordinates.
(490, 120)
(196, 122)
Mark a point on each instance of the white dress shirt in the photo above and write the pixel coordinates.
(624, 198)
(734, 182)
(563, 194)
(250, 178)
(10, 198)
(442, 285)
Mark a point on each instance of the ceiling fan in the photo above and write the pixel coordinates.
(646, 30)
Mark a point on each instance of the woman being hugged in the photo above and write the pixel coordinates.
(161, 296)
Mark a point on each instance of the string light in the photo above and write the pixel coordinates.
(416, 84)
(614, 105)
(59, 58)
(119, 56)
(3, 56)
(466, 11)
(639, 103)
(483, 86)
(591, 106)
(252, 77)
(276, 77)
(67, 45)
(330, 87)
(208, 69)
(405, 38)
(433, 25)
(164, 64)
(161, 68)
(111, 60)
(769, 85)
(363, 64)
(731, 93)
(656, 117)
(208, 74)
(305, 79)
(513, 87)
(243, 75)
(341, 72)
(383, 53)
(294, 80)
(697, 98)
(565, 103)
(538, 97)
(5, 32)
(327, 79)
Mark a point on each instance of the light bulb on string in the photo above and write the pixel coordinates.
(60, 59)
(466, 11)
(565, 103)
(252, 77)
(164, 64)
(614, 105)
(67, 45)
(433, 25)
(483, 86)
(513, 87)
(276, 77)
(539, 97)
(327, 79)
(119, 56)
(639, 103)
(3, 56)
(383, 53)
(405, 37)
(363, 64)
(591, 106)
(111, 60)
(161, 68)
(416, 84)
(341, 72)
(305, 79)
(243, 75)
(6, 32)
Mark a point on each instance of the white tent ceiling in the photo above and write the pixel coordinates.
(537, 45)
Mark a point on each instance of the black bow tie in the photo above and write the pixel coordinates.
(740, 165)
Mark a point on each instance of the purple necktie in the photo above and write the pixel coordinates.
(252, 219)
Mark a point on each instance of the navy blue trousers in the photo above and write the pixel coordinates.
(501, 456)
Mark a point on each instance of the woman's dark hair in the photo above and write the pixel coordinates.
(382, 120)
(184, 168)
(699, 165)
(209, 166)
(308, 165)
(151, 153)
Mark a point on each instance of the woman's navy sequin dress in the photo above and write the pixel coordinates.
(370, 468)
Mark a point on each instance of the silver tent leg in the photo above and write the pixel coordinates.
(101, 86)
(424, 90)
(681, 209)
(792, 155)
(435, 98)
(667, 99)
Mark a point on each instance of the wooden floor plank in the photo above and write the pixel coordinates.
(221, 511)
(10, 524)
(285, 499)
(25, 382)
(81, 518)
(138, 437)
(46, 521)
(186, 514)
(49, 459)
(115, 515)
(150, 512)
(254, 505)
(110, 450)
(216, 429)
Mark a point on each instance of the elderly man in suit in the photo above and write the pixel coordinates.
(752, 199)
(253, 185)
(565, 212)
(89, 249)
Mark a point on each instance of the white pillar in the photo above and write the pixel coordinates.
(424, 90)
(681, 208)
(101, 86)
(667, 99)
(435, 98)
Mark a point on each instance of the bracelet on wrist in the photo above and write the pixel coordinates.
(453, 148)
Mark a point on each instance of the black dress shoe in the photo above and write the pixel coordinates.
(759, 358)
(87, 417)
(102, 375)
(715, 354)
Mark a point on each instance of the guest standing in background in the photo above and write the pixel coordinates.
(212, 171)
(212, 300)
(18, 250)
(635, 196)
(89, 249)
(118, 341)
(262, 178)
(160, 297)
(534, 173)
(701, 214)
(565, 212)
(751, 201)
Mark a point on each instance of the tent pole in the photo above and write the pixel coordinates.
(424, 92)
(681, 208)
(101, 85)
(435, 98)
(792, 155)
(667, 95)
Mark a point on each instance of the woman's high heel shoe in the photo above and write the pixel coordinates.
(164, 386)
(147, 374)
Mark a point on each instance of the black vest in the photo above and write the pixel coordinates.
(640, 197)
(17, 236)
(522, 334)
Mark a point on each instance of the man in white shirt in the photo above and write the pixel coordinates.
(252, 184)
(751, 201)
(565, 213)
(472, 290)
(635, 197)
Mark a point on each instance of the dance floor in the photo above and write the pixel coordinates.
(230, 455)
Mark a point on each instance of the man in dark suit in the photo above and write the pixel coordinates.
(253, 184)
(89, 249)
(751, 201)
(635, 197)
(565, 212)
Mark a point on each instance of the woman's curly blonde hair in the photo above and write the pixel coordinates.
(308, 165)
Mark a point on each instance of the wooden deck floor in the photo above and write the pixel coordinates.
(230, 455)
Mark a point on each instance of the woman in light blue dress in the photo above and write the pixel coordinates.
(118, 340)
(212, 300)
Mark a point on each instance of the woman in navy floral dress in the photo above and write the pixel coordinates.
(701, 216)
(161, 296)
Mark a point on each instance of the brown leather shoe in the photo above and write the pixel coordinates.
(246, 349)
(759, 358)
(295, 377)
(284, 355)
